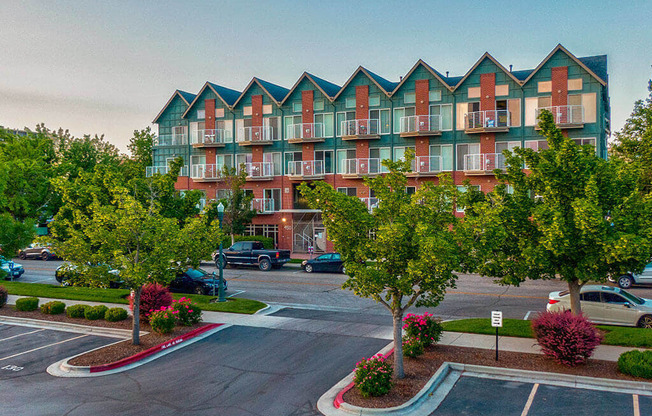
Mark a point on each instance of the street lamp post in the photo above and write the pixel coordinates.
(220, 262)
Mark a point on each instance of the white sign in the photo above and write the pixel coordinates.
(496, 319)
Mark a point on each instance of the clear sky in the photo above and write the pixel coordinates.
(110, 66)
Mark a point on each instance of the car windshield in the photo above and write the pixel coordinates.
(196, 273)
(632, 298)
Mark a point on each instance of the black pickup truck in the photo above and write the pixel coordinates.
(249, 253)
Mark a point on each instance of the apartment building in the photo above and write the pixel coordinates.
(317, 130)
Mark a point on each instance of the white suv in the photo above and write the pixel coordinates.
(627, 280)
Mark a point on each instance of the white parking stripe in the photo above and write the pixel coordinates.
(530, 399)
(20, 335)
(637, 410)
(239, 292)
(40, 348)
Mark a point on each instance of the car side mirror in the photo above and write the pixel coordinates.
(627, 305)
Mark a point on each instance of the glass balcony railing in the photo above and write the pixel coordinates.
(361, 128)
(484, 162)
(420, 124)
(365, 166)
(565, 114)
(488, 119)
(163, 170)
(171, 140)
(210, 137)
(306, 168)
(305, 131)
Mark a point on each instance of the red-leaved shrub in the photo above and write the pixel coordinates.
(569, 339)
(152, 297)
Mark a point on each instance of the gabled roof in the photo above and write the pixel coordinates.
(275, 92)
(430, 69)
(226, 95)
(327, 88)
(591, 64)
(185, 96)
(385, 86)
(487, 55)
(522, 74)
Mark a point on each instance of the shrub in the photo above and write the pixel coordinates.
(569, 339)
(27, 304)
(96, 312)
(3, 296)
(412, 347)
(373, 376)
(53, 308)
(423, 327)
(186, 312)
(153, 297)
(636, 363)
(76, 311)
(162, 320)
(115, 315)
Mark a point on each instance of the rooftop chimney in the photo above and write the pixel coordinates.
(510, 68)
(446, 74)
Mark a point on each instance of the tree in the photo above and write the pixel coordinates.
(141, 145)
(572, 216)
(404, 252)
(14, 235)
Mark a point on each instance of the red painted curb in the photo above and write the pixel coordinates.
(153, 350)
(339, 399)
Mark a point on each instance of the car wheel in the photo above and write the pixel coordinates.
(308, 268)
(45, 256)
(198, 290)
(645, 321)
(22, 255)
(265, 265)
(625, 282)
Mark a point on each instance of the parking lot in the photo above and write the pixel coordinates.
(25, 351)
(488, 397)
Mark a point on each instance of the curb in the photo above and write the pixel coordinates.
(63, 369)
(68, 327)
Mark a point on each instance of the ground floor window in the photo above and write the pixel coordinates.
(266, 230)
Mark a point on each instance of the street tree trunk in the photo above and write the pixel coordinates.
(135, 336)
(574, 288)
(397, 316)
(232, 239)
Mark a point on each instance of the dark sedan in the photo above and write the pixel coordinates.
(196, 281)
(330, 262)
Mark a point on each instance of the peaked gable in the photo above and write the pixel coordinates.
(226, 95)
(328, 89)
(487, 56)
(387, 87)
(598, 63)
(421, 63)
(186, 97)
(273, 91)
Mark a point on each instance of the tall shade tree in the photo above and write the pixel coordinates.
(404, 252)
(572, 216)
(141, 145)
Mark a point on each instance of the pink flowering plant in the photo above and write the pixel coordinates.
(186, 312)
(412, 347)
(163, 320)
(373, 376)
(424, 327)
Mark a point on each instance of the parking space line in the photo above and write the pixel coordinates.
(530, 399)
(637, 410)
(239, 292)
(45, 346)
(20, 335)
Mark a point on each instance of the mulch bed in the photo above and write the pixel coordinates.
(111, 353)
(419, 370)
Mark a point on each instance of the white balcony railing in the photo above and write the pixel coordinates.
(367, 127)
(484, 162)
(306, 168)
(211, 137)
(361, 166)
(486, 119)
(171, 140)
(371, 203)
(427, 164)
(163, 170)
(262, 205)
(565, 114)
(305, 131)
(206, 172)
(258, 169)
(420, 124)
(255, 134)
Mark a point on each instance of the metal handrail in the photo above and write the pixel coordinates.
(427, 164)
(305, 131)
(364, 166)
(565, 114)
(306, 168)
(163, 170)
(171, 140)
(361, 127)
(424, 123)
(262, 204)
(484, 162)
(255, 134)
(258, 169)
(487, 119)
(214, 136)
(371, 203)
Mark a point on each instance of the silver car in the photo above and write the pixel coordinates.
(627, 280)
(607, 305)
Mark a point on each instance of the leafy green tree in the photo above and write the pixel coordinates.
(401, 254)
(14, 235)
(141, 145)
(572, 216)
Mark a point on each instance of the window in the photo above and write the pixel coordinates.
(383, 119)
(374, 100)
(222, 194)
(274, 195)
(178, 131)
(500, 146)
(293, 127)
(544, 102)
(590, 297)
(227, 127)
(350, 102)
(445, 152)
(613, 298)
(342, 117)
(266, 230)
(379, 154)
(399, 152)
(473, 106)
(463, 150)
(574, 99)
(434, 95)
(201, 114)
(318, 105)
(219, 112)
(327, 157)
(343, 155)
(410, 190)
(291, 157)
(410, 98)
(327, 120)
(223, 160)
(399, 113)
(445, 114)
(296, 107)
(463, 189)
(536, 145)
(348, 191)
(247, 110)
(583, 141)
(267, 109)
(275, 159)
(241, 158)
(274, 124)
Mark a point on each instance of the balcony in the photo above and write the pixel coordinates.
(565, 116)
(371, 203)
(489, 121)
(483, 163)
(210, 138)
(206, 173)
(359, 168)
(254, 136)
(258, 171)
(305, 133)
(306, 170)
(163, 170)
(361, 129)
(426, 166)
(171, 140)
(263, 205)
(415, 126)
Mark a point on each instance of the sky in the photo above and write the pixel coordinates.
(109, 67)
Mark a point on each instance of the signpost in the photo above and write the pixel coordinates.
(496, 322)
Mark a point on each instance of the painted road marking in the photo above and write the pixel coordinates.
(530, 399)
(40, 348)
(637, 410)
(239, 292)
(527, 315)
(20, 335)
(495, 294)
(11, 368)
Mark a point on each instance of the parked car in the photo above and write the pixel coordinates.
(607, 305)
(69, 271)
(196, 281)
(329, 262)
(36, 251)
(11, 270)
(627, 280)
(251, 253)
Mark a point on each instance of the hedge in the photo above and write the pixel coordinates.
(27, 304)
